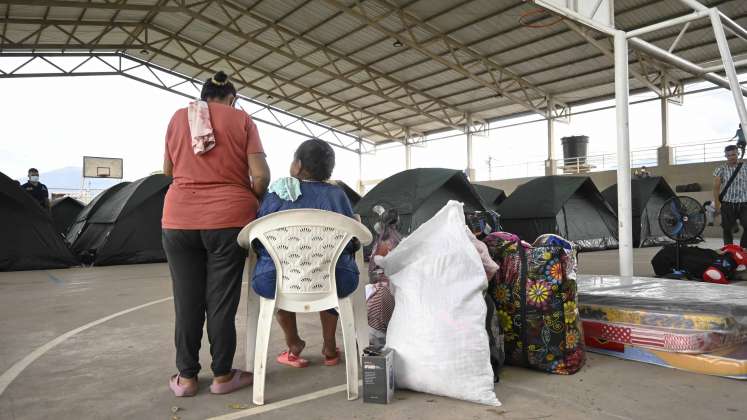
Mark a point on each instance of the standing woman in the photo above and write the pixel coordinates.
(214, 153)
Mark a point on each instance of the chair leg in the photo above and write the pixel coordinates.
(360, 308)
(252, 317)
(266, 312)
(347, 321)
(360, 311)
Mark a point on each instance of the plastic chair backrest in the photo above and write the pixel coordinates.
(305, 245)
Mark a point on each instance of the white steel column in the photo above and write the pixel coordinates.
(664, 122)
(624, 210)
(360, 167)
(664, 156)
(408, 150)
(551, 163)
(470, 151)
(728, 61)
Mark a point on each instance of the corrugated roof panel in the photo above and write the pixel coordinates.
(273, 62)
(199, 31)
(307, 17)
(114, 37)
(314, 78)
(64, 13)
(470, 12)
(554, 58)
(408, 59)
(250, 53)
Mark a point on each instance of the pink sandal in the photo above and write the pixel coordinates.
(180, 390)
(289, 359)
(238, 381)
(332, 361)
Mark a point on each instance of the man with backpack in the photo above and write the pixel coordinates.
(730, 195)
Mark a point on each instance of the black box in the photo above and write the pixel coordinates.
(378, 375)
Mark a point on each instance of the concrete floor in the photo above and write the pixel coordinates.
(119, 368)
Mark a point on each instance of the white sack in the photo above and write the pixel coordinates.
(438, 327)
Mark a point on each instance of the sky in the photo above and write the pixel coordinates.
(51, 123)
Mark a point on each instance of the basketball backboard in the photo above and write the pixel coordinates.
(598, 14)
(102, 167)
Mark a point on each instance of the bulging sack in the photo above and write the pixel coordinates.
(437, 329)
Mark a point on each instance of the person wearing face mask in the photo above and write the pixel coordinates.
(37, 190)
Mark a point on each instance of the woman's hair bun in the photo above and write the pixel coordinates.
(220, 77)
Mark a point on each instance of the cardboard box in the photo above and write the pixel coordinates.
(378, 375)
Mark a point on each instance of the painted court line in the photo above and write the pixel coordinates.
(281, 404)
(11, 374)
(22, 364)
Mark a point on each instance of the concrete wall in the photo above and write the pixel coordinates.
(701, 173)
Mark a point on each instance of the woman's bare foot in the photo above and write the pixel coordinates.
(295, 347)
(329, 349)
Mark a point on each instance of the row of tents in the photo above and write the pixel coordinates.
(122, 225)
(570, 206)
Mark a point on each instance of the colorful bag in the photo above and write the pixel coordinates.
(537, 305)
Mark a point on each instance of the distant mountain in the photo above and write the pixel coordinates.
(71, 179)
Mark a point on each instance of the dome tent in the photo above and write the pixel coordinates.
(648, 195)
(64, 213)
(491, 197)
(352, 195)
(30, 241)
(418, 194)
(123, 224)
(569, 206)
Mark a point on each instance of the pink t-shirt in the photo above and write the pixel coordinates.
(213, 190)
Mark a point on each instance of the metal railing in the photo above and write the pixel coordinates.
(698, 153)
(577, 165)
(84, 195)
(708, 151)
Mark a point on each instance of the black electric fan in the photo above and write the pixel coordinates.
(682, 219)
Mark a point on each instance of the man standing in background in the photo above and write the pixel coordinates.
(730, 195)
(37, 190)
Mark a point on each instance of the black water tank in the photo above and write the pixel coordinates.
(574, 149)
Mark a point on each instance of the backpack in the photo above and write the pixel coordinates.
(693, 261)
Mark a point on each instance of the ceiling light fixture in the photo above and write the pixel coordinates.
(397, 44)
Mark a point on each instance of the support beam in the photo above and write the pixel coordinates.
(551, 164)
(680, 63)
(664, 156)
(668, 23)
(728, 61)
(624, 200)
(130, 67)
(603, 48)
(470, 150)
(497, 78)
(359, 187)
(664, 122)
(408, 150)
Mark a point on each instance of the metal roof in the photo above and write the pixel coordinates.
(377, 69)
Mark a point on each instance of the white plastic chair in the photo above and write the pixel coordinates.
(305, 245)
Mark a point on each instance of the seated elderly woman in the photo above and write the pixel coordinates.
(312, 166)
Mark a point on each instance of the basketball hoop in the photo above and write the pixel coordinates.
(541, 14)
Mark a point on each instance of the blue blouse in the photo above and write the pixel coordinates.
(314, 195)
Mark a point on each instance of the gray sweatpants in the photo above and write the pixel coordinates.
(206, 269)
